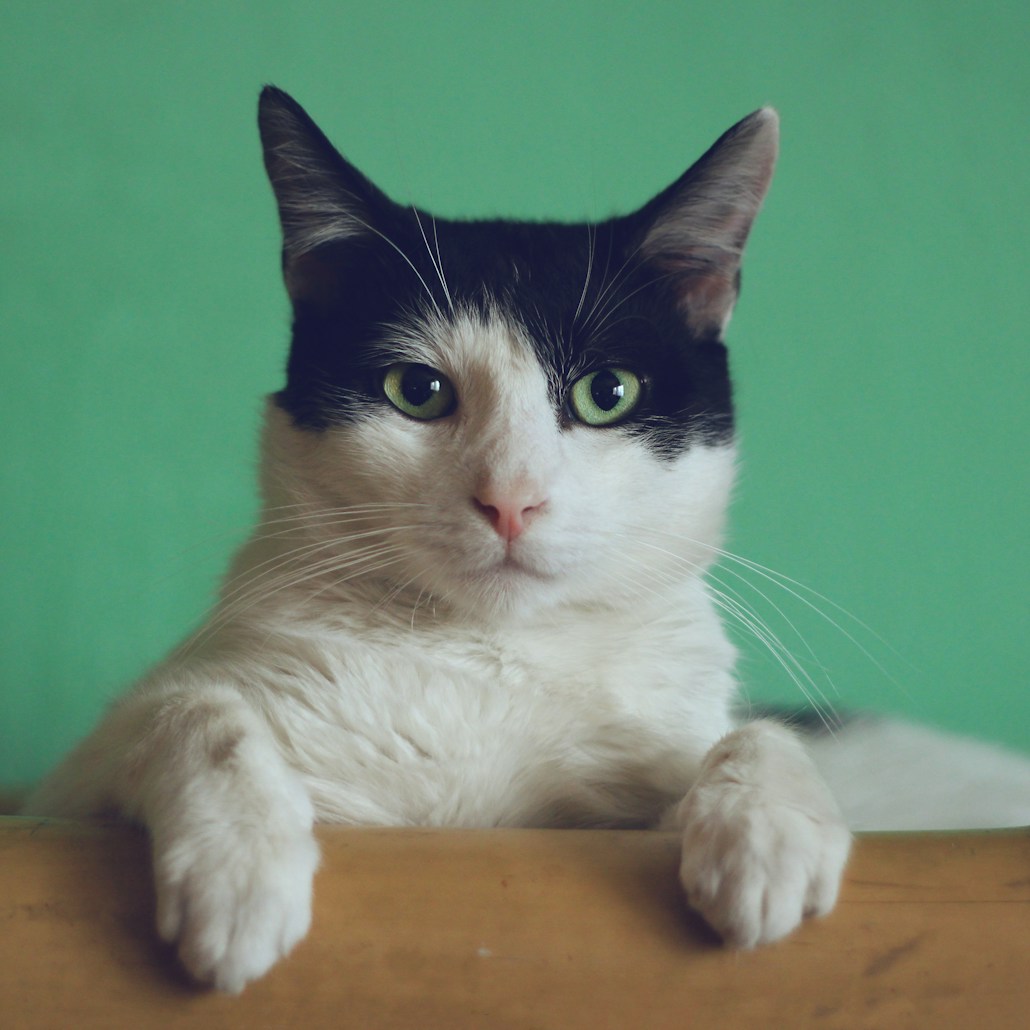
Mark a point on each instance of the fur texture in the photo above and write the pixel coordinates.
(492, 484)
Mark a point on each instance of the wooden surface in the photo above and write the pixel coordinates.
(519, 929)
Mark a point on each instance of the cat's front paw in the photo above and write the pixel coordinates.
(764, 844)
(233, 900)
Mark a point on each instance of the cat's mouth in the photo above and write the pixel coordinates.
(510, 565)
(512, 568)
(511, 573)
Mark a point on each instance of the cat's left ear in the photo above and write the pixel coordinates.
(696, 229)
(322, 198)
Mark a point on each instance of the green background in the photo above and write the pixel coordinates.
(879, 347)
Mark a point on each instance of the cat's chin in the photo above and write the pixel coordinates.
(509, 587)
(511, 574)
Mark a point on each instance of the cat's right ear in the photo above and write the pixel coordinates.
(322, 199)
(695, 230)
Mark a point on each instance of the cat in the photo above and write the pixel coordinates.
(493, 482)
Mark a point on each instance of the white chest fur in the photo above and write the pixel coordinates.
(590, 716)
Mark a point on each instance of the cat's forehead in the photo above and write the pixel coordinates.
(468, 344)
(459, 340)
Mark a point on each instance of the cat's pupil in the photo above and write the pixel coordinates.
(419, 385)
(607, 390)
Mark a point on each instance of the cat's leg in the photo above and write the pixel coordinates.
(764, 844)
(230, 824)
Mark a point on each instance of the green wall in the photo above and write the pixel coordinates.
(880, 345)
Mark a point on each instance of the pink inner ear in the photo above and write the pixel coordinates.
(310, 277)
(706, 301)
(704, 280)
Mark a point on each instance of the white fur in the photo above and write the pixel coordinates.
(890, 775)
(763, 843)
(381, 656)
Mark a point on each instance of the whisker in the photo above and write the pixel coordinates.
(377, 567)
(386, 239)
(591, 242)
(605, 285)
(418, 601)
(604, 317)
(768, 600)
(285, 558)
(797, 673)
(439, 265)
(759, 629)
(794, 588)
(273, 579)
(612, 284)
(436, 262)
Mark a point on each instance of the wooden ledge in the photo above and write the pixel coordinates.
(501, 929)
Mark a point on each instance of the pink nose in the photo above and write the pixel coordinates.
(510, 513)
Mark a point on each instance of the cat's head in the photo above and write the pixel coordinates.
(508, 415)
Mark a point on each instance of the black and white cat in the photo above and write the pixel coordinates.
(493, 483)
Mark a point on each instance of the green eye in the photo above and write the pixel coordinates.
(419, 391)
(605, 397)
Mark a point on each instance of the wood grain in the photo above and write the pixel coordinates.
(524, 929)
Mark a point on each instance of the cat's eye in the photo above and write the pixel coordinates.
(419, 391)
(605, 397)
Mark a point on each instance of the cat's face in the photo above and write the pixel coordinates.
(505, 416)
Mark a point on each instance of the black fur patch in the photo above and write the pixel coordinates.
(534, 274)
(808, 719)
